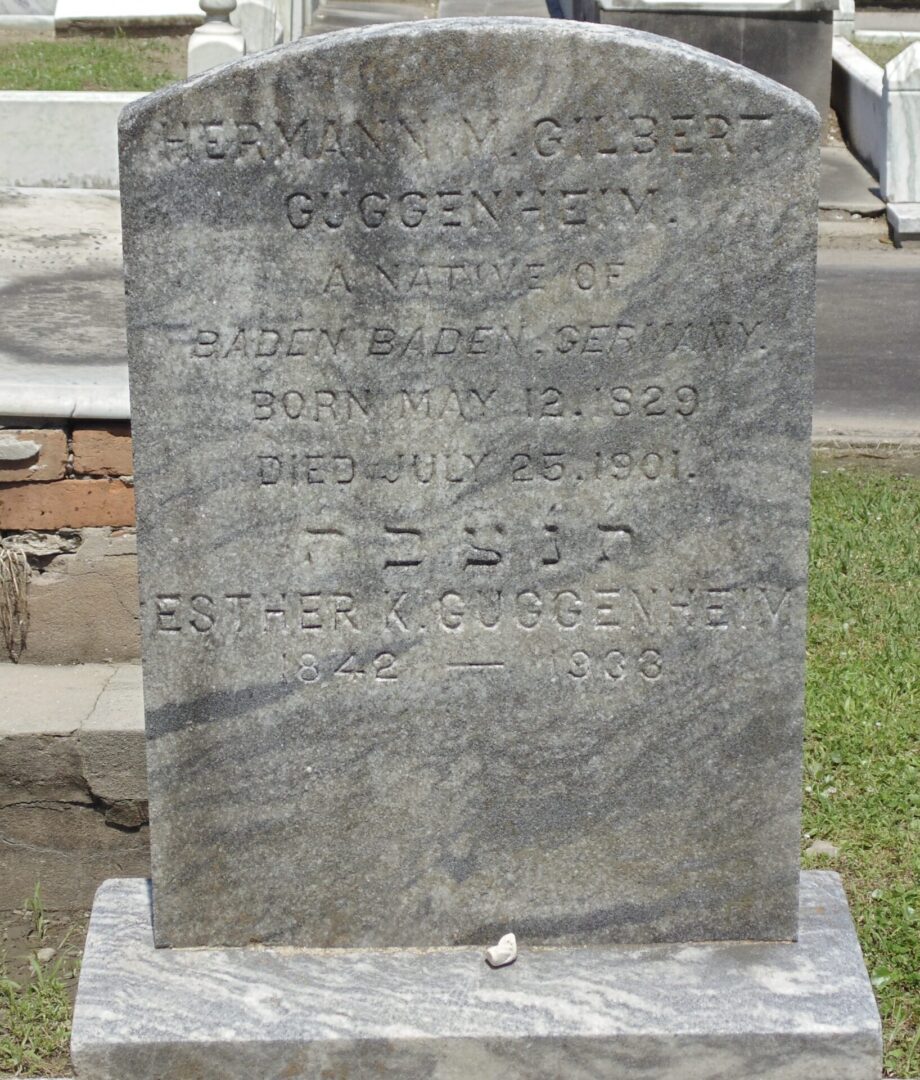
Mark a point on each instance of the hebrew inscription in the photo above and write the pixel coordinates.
(465, 435)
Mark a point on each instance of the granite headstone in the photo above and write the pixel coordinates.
(471, 390)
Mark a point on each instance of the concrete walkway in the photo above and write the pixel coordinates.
(62, 309)
(845, 184)
(62, 334)
(345, 14)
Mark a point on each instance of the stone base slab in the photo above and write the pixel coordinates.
(714, 1011)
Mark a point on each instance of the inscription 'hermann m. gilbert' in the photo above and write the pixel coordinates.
(583, 135)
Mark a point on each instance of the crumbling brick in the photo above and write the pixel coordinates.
(102, 450)
(73, 504)
(47, 461)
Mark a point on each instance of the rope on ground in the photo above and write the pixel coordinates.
(14, 600)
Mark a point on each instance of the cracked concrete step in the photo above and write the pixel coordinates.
(73, 784)
(52, 700)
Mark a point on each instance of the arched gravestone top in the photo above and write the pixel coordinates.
(471, 384)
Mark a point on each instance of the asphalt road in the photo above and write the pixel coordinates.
(867, 379)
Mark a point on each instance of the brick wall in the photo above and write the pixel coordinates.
(67, 509)
(73, 476)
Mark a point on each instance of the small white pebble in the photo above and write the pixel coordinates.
(43, 956)
(504, 953)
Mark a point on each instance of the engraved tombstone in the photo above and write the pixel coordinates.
(471, 370)
(471, 438)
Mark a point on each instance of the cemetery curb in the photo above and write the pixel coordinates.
(907, 444)
(877, 109)
(62, 138)
(73, 787)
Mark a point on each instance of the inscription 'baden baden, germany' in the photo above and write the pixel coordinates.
(463, 430)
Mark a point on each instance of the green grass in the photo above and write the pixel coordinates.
(880, 51)
(35, 1008)
(35, 909)
(862, 761)
(862, 752)
(35, 1018)
(91, 63)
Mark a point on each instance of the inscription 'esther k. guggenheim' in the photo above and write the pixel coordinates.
(469, 434)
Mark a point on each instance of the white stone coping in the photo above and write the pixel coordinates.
(58, 138)
(724, 7)
(128, 12)
(902, 72)
(43, 699)
(41, 24)
(905, 222)
(62, 337)
(59, 392)
(858, 97)
(859, 66)
(878, 112)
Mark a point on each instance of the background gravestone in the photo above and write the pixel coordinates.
(27, 7)
(471, 390)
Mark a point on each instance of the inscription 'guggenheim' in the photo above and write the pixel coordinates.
(459, 208)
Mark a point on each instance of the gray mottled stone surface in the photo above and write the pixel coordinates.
(471, 387)
(718, 1011)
